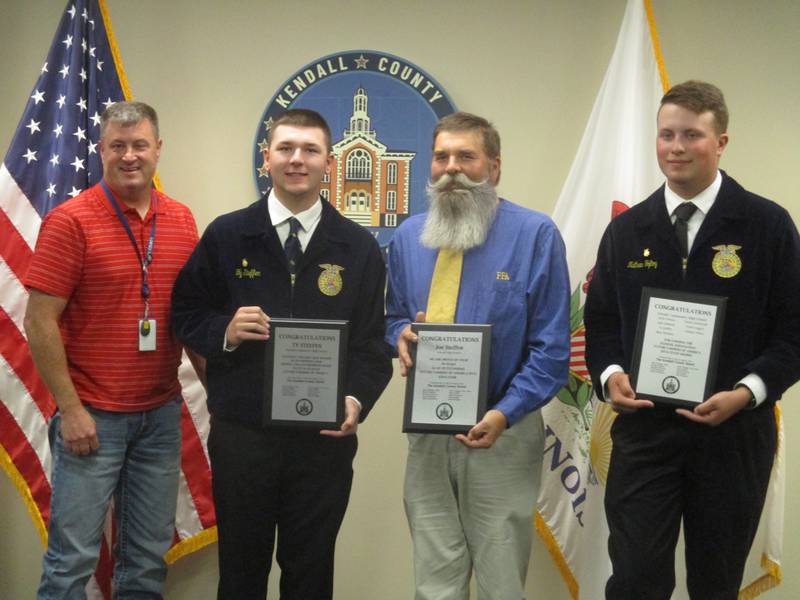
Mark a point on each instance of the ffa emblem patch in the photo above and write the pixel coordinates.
(726, 263)
(330, 281)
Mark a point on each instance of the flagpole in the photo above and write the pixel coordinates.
(112, 42)
(651, 21)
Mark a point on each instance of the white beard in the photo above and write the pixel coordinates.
(458, 218)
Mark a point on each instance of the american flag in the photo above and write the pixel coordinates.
(53, 157)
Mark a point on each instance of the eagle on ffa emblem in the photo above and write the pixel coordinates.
(330, 280)
(726, 263)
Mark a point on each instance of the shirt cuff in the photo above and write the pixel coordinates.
(225, 347)
(354, 399)
(756, 386)
(609, 371)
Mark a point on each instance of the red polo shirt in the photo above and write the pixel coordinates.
(83, 254)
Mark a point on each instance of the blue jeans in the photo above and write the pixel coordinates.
(138, 462)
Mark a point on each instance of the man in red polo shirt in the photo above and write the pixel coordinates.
(98, 328)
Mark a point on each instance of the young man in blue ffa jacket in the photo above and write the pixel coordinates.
(295, 481)
(470, 498)
(708, 467)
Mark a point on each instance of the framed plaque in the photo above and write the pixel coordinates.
(304, 373)
(447, 387)
(676, 347)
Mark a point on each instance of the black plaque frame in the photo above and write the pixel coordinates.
(410, 426)
(649, 293)
(276, 325)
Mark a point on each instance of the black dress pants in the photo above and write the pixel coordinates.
(664, 469)
(295, 482)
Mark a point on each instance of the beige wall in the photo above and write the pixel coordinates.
(534, 67)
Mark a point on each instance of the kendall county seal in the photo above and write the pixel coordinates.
(330, 280)
(726, 263)
(304, 407)
(381, 110)
(444, 411)
(671, 384)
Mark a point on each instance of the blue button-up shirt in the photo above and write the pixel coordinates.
(517, 281)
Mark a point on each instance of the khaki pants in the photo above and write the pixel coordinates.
(470, 509)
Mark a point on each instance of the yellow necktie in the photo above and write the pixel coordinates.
(445, 283)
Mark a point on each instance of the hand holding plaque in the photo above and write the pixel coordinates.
(304, 377)
(447, 387)
(676, 346)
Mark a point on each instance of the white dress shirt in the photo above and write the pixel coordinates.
(280, 215)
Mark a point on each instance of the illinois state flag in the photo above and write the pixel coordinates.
(53, 157)
(615, 167)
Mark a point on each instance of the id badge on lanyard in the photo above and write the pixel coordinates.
(146, 328)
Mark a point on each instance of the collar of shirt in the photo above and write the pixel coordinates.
(703, 201)
(157, 205)
(280, 215)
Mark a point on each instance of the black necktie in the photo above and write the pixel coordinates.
(682, 215)
(292, 246)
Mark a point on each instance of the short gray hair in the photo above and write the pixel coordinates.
(128, 113)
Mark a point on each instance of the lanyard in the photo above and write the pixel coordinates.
(148, 257)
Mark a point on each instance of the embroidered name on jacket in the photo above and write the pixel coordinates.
(247, 273)
(643, 264)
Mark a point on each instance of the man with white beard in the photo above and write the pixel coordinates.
(469, 498)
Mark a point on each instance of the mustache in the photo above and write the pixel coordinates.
(458, 218)
(457, 181)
